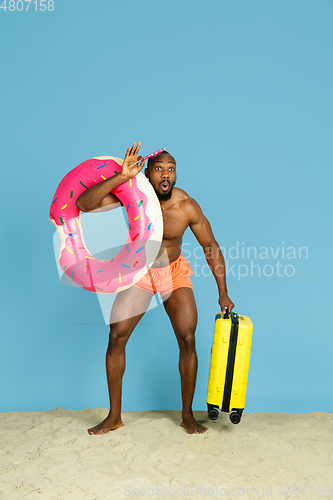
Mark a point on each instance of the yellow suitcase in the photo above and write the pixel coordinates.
(229, 366)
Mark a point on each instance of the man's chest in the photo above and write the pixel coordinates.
(174, 223)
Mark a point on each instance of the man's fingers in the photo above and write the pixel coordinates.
(141, 165)
(127, 153)
(131, 153)
(133, 148)
(226, 305)
(230, 307)
(226, 308)
(137, 148)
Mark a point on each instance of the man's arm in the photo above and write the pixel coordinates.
(203, 232)
(99, 196)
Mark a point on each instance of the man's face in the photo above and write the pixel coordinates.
(162, 176)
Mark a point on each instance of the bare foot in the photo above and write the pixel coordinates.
(108, 424)
(192, 426)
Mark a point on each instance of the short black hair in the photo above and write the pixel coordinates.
(152, 159)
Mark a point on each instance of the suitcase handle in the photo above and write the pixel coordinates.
(226, 314)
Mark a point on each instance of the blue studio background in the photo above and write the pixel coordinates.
(240, 93)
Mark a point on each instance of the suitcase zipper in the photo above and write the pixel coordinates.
(230, 362)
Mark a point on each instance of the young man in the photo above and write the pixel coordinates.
(169, 274)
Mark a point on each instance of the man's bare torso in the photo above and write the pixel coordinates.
(176, 219)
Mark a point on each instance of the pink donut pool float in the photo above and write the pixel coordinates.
(145, 228)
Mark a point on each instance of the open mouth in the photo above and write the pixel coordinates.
(165, 186)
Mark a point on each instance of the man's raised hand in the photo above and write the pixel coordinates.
(128, 168)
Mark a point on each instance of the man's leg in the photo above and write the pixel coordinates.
(128, 308)
(182, 311)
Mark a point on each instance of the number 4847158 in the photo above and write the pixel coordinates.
(20, 5)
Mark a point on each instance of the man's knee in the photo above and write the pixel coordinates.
(117, 338)
(186, 339)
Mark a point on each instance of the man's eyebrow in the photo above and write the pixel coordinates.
(160, 161)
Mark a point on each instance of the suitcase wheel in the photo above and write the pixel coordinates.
(213, 414)
(235, 417)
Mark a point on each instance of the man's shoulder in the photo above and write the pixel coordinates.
(184, 197)
(187, 204)
(180, 194)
